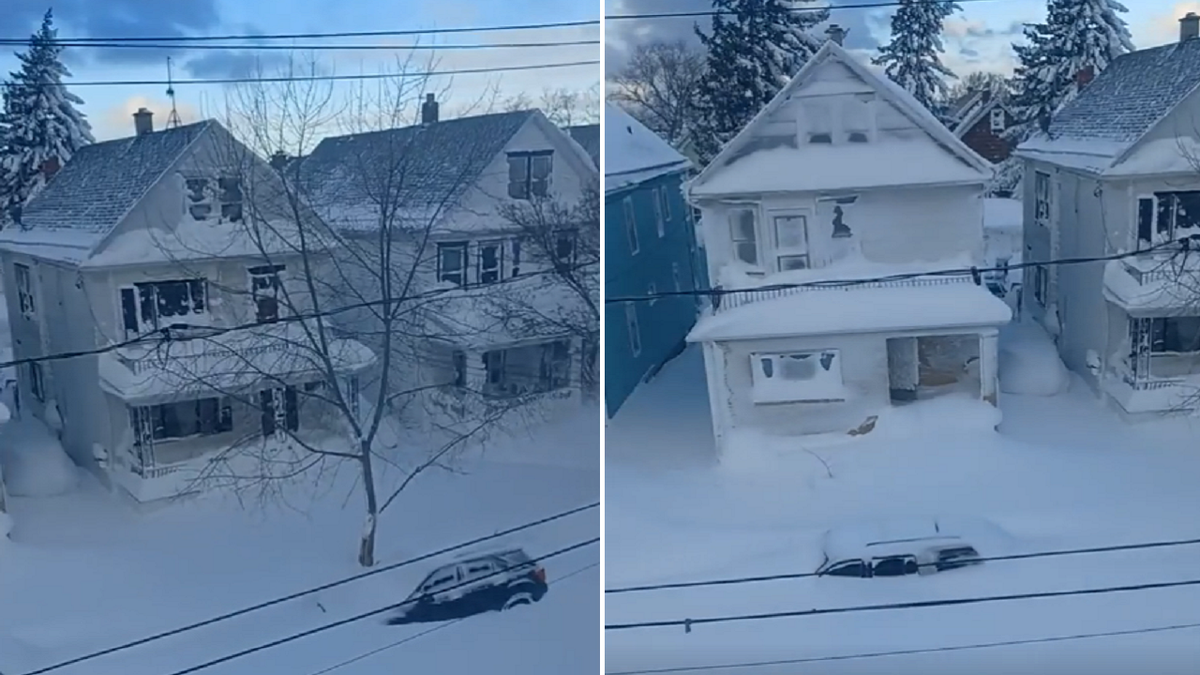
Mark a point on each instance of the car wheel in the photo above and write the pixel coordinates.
(517, 599)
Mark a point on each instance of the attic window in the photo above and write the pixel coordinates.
(231, 198)
(997, 120)
(529, 173)
(818, 121)
(856, 118)
(199, 198)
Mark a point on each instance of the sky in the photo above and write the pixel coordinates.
(977, 38)
(110, 108)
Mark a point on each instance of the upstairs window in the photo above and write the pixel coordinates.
(489, 261)
(37, 381)
(452, 262)
(856, 118)
(630, 218)
(818, 121)
(743, 228)
(664, 198)
(529, 174)
(25, 297)
(1041, 198)
(996, 119)
(265, 289)
(230, 188)
(150, 306)
(199, 198)
(791, 241)
(564, 248)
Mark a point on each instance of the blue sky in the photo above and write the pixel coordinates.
(978, 38)
(109, 108)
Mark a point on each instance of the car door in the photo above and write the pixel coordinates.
(479, 581)
(440, 589)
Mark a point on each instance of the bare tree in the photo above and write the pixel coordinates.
(659, 87)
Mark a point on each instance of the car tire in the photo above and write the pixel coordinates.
(516, 599)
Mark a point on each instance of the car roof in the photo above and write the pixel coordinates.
(504, 553)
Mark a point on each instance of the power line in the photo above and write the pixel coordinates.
(975, 273)
(797, 10)
(324, 35)
(316, 589)
(410, 638)
(920, 604)
(359, 617)
(908, 652)
(308, 78)
(731, 581)
(319, 48)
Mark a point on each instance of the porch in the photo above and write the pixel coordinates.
(1158, 370)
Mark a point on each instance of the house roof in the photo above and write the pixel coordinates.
(1115, 111)
(973, 115)
(634, 154)
(957, 164)
(587, 136)
(962, 105)
(94, 191)
(428, 166)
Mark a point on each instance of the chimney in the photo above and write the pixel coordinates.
(836, 33)
(429, 110)
(1085, 76)
(279, 160)
(1189, 27)
(50, 167)
(143, 122)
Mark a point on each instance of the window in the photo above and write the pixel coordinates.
(489, 261)
(894, 566)
(797, 377)
(185, 419)
(441, 582)
(231, 198)
(631, 325)
(1041, 285)
(857, 118)
(1175, 335)
(677, 277)
(529, 174)
(1041, 198)
(478, 570)
(564, 248)
(515, 268)
(199, 198)
(996, 119)
(818, 121)
(652, 292)
(630, 224)
(1177, 215)
(265, 286)
(849, 568)
(151, 306)
(791, 242)
(744, 232)
(37, 382)
(664, 197)
(660, 222)
(280, 409)
(452, 262)
(532, 369)
(458, 362)
(25, 291)
(1145, 220)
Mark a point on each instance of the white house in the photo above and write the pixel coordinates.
(138, 255)
(842, 176)
(1116, 172)
(506, 331)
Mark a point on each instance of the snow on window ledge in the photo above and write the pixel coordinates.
(798, 377)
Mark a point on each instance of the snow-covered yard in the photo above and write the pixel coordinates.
(84, 572)
(1061, 472)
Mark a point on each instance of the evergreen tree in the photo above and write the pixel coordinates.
(43, 125)
(912, 58)
(751, 55)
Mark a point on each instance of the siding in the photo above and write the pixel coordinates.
(990, 146)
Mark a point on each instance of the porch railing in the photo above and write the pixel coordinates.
(731, 300)
(156, 358)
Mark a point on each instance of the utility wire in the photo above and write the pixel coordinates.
(316, 589)
(972, 272)
(410, 638)
(907, 652)
(314, 47)
(731, 581)
(324, 35)
(920, 604)
(798, 10)
(359, 617)
(307, 78)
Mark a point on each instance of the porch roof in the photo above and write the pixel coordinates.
(848, 310)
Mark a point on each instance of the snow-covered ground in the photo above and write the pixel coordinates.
(84, 572)
(1061, 472)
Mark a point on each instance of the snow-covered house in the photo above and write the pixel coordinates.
(504, 328)
(1116, 172)
(980, 120)
(842, 176)
(136, 255)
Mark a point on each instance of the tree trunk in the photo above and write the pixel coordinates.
(366, 546)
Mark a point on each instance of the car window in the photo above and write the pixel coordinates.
(894, 566)
(848, 568)
(440, 582)
(953, 558)
(477, 570)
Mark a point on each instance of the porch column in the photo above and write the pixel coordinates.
(989, 360)
(904, 368)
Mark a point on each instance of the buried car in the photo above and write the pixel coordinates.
(473, 585)
(895, 549)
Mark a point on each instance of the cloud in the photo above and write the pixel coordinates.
(117, 121)
(235, 63)
(1162, 27)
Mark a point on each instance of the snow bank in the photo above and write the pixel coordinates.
(35, 464)
(1029, 362)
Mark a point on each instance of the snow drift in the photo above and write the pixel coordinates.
(1029, 362)
(34, 462)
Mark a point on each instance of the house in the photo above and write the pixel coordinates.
(809, 193)
(138, 255)
(503, 329)
(1116, 172)
(980, 121)
(650, 248)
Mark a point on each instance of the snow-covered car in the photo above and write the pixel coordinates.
(476, 584)
(894, 549)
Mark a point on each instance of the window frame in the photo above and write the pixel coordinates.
(996, 120)
(763, 383)
(1041, 284)
(464, 264)
(629, 215)
(274, 275)
(634, 328)
(498, 269)
(37, 381)
(26, 299)
(526, 186)
(736, 241)
(1042, 202)
(660, 223)
(231, 206)
(155, 322)
(803, 253)
(222, 418)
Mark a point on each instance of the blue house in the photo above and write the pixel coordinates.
(649, 248)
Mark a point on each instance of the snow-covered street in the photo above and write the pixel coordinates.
(1061, 473)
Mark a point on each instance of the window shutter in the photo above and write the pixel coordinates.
(291, 408)
(266, 400)
(129, 310)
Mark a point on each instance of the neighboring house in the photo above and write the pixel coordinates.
(588, 137)
(136, 239)
(650, 248)
(507, 331)
(1117, 172)
(981, 124)
(809, 191)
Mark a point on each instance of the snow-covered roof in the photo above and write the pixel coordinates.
(1117, 109)
(974, 114)
(588, 137)
(956, 164)
(94, 191)
(633, 154)
(539, 307)
(848, 310)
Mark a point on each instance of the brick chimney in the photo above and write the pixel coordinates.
(1189, 27)
(1085, 76)
(836, 33)
(143, 122)
(429, 110)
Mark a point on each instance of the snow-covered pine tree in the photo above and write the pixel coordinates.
(753, 48)
(43, 123)
(912, 59)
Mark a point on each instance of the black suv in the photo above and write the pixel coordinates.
(481, 583)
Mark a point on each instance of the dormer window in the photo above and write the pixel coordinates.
(997, 120)
(818, 121)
